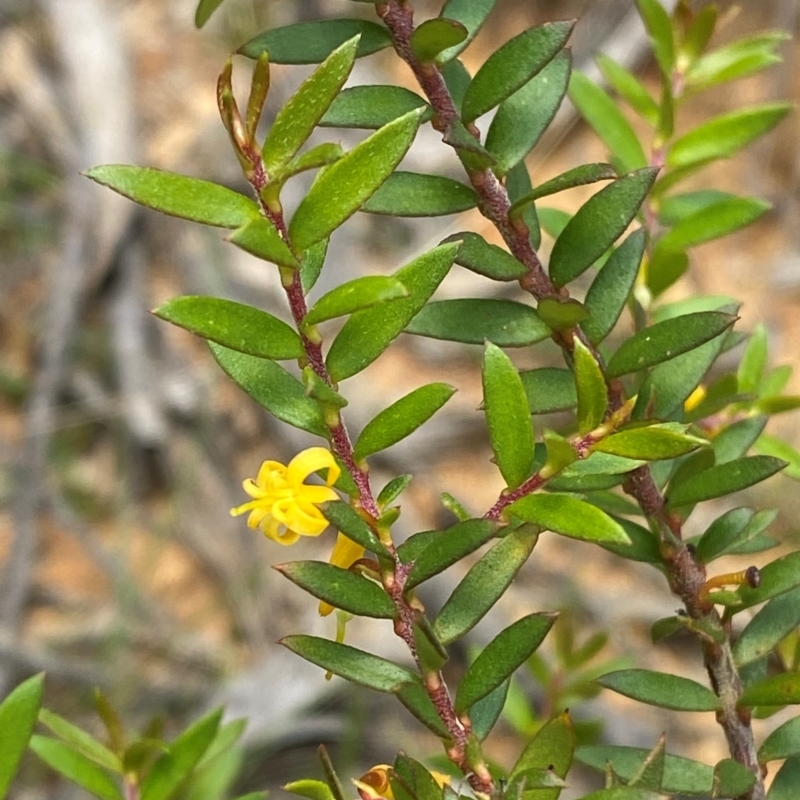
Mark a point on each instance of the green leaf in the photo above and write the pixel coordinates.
(735, 440)
(661, 689)
(784, 785)
(234, 325)
(471, 14)
(313, 790)
(457, 79)
(477, 255)
(484, 714)
(551, 748)
(783, 742)
(609, 291)
(732, 779)
(553, 220)
(643, 545)
(402, 418)
(508, 416)
(414, 697)
(659, 28)
(625, 793)
(673, 210)
(300, 114)
(524, 116)
(345, 519)
(205, 8)
(713, 222)
(597, 225)
(518, 184)
(591, 388)
(81, 741)
(393, 490)
(777, 577)
(76, 767)
(433, 36)
(561, 313)
(723, 479)
(629, 88)
(549, 389)
(777, 690)
(473, 155)
(413, 194)
(340, 588)
(312, 261)
(260, 238)
(444, 548)
(681, 775)
(322, 155)
(651, 443)
(484, 584)
(18, 713)
(667, 339)
(664, 269)
(579, 176)
(699, 32)
(722, 534)
(370, 107)
(607, 121)
(354, 295)
(771, 624)
(410, 780)
(312, 42)
(177, 195)
(501, 658)
(273, 388)
(569, 516)
(350, 663)
(505, 323)
(722, 136)
(317, 388)
(173, 767)
(754, 360)
(512, 66)
(367, 333)
(341, 189)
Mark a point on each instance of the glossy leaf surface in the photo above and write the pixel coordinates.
(342, 188)
(177, 195)
(661, 689)
(651, 443)
(413, 194)
(402, 418)
(354, 295)
(370, 107)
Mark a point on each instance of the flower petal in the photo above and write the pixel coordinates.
(309, 461)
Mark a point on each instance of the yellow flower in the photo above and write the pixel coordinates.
(283, 505)
(695, 398)
(375, 783)
(345, 553)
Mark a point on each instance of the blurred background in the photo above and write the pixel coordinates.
(123, 446)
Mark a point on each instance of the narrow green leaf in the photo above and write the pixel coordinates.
(722, 136)
(471, 14)
(501, 658)
(774, 621)
(322, 155)
(591, 388)
(484, 714)
(410, 780)
(18, 713)
(664, 269)
(754, 360)
(569, 516)
(643, 546)
(505, 323)
(625, 793)
(76, 767)
(402, 418)
(413, 696)
(674, 209)
(549, 389)
(80, 740)
(234, 325)
(312, 42)
(354, 295)
(551, 748)
(661, 689)
(457, 79)
(597, 225)
(311, 263)
(340, 588)
(173, 767)
(523, 117)
(787, 778)
(732, 779)
(300, 114)
(579, 176)
(667, 339)
(367, 333)
(651, 443)
(507, 416)
(345, 519)
(477, 255)
(433, 36)
(177, 195)
(313, 790)
(341, 189)
(607, 121)
(777, 577)
(205, 8)
(723, 479)
(273, 388)
(370, 107)
(776, 690)
(512, 66)
(413, 194)
(783, 742)
(609, 291)
(444, 548)
(629, 88)
(350, 663)
(260, 238)
(722, 534)
(393, 490)
(484, 585)
(559, 314)
(735, 440)
(659, 28)
(518, 184)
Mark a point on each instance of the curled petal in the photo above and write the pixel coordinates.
(308, 462)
